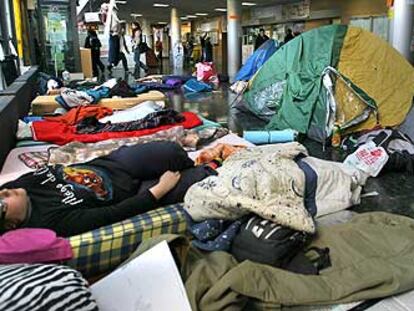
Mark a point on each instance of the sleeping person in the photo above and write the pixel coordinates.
(78, 198)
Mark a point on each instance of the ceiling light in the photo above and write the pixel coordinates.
(161, 5)
(120, 2)
(248, 4)
(162, 23)
(191, 16)
(201, 14)
(220, 9)
(136, 15)
(184, 18)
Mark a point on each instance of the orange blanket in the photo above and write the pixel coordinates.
(76, 115)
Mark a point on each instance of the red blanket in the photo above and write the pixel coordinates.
(61, 134)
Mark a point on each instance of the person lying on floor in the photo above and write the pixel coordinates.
(75, 199)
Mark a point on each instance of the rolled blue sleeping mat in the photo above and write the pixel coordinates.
(270, 137)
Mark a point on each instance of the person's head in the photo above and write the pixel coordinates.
(289, 31)
(261, 32)
(13, 208)
(92, 32)
(135, 26)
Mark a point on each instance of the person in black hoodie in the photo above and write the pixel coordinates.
(92, 42)
(206, 49)
(75, 199)
(261, 38)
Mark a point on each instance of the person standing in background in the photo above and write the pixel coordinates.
(289, 35)
(138, 47)
(189, 47)
(261, 38)
(206, 48)
(114, 39)
(123, 50)
(92, 42)
(158, 49)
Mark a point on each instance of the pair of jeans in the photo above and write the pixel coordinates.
(138, 63)
(97, 63)
(114, 50)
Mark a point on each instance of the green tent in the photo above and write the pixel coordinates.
(304, 85)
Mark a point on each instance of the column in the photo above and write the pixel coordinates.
(177, 50)
(147, 32)
(234, 12)
(73, 35)
(403, 27)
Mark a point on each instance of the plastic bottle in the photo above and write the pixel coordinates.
(66, 76)
(336, 136)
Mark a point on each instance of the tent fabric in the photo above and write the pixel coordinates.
(256, 60)
(381, 72)
(300, 63)
(372, 84)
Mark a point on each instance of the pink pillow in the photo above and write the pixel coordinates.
(33, 246)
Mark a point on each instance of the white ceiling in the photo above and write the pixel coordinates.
(185, 7)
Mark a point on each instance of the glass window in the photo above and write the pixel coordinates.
(376, 24)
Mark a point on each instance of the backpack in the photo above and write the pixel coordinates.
(266, 242)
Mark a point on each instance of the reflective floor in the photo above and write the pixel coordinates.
(391, 192)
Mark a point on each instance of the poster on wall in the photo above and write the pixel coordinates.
(56, 36)
(297, 10)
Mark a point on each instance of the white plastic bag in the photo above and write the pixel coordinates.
(368, 158)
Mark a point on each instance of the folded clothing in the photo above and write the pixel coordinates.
(62, 134)
(70, 98)
(122, 89)
(194, 86)
(152, 120)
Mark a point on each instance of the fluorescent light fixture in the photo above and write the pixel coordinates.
(162, 23)
(191, 16)
(120, 2)
(201, 14)
(184, 18)
(220, 9)
(136, 15)
(248, 4)
(161, 5)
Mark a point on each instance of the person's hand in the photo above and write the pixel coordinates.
(166, 183)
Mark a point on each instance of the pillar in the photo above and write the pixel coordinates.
(73, 35)
(177, 50)
(403, 27)
(147, 32)
(234, 14)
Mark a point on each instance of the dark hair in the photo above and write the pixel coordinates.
(261, 29)
(137, 25)
(92, 33)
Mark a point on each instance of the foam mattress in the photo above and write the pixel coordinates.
(47, 104)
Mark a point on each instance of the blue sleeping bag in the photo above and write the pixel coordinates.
(256, 60)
